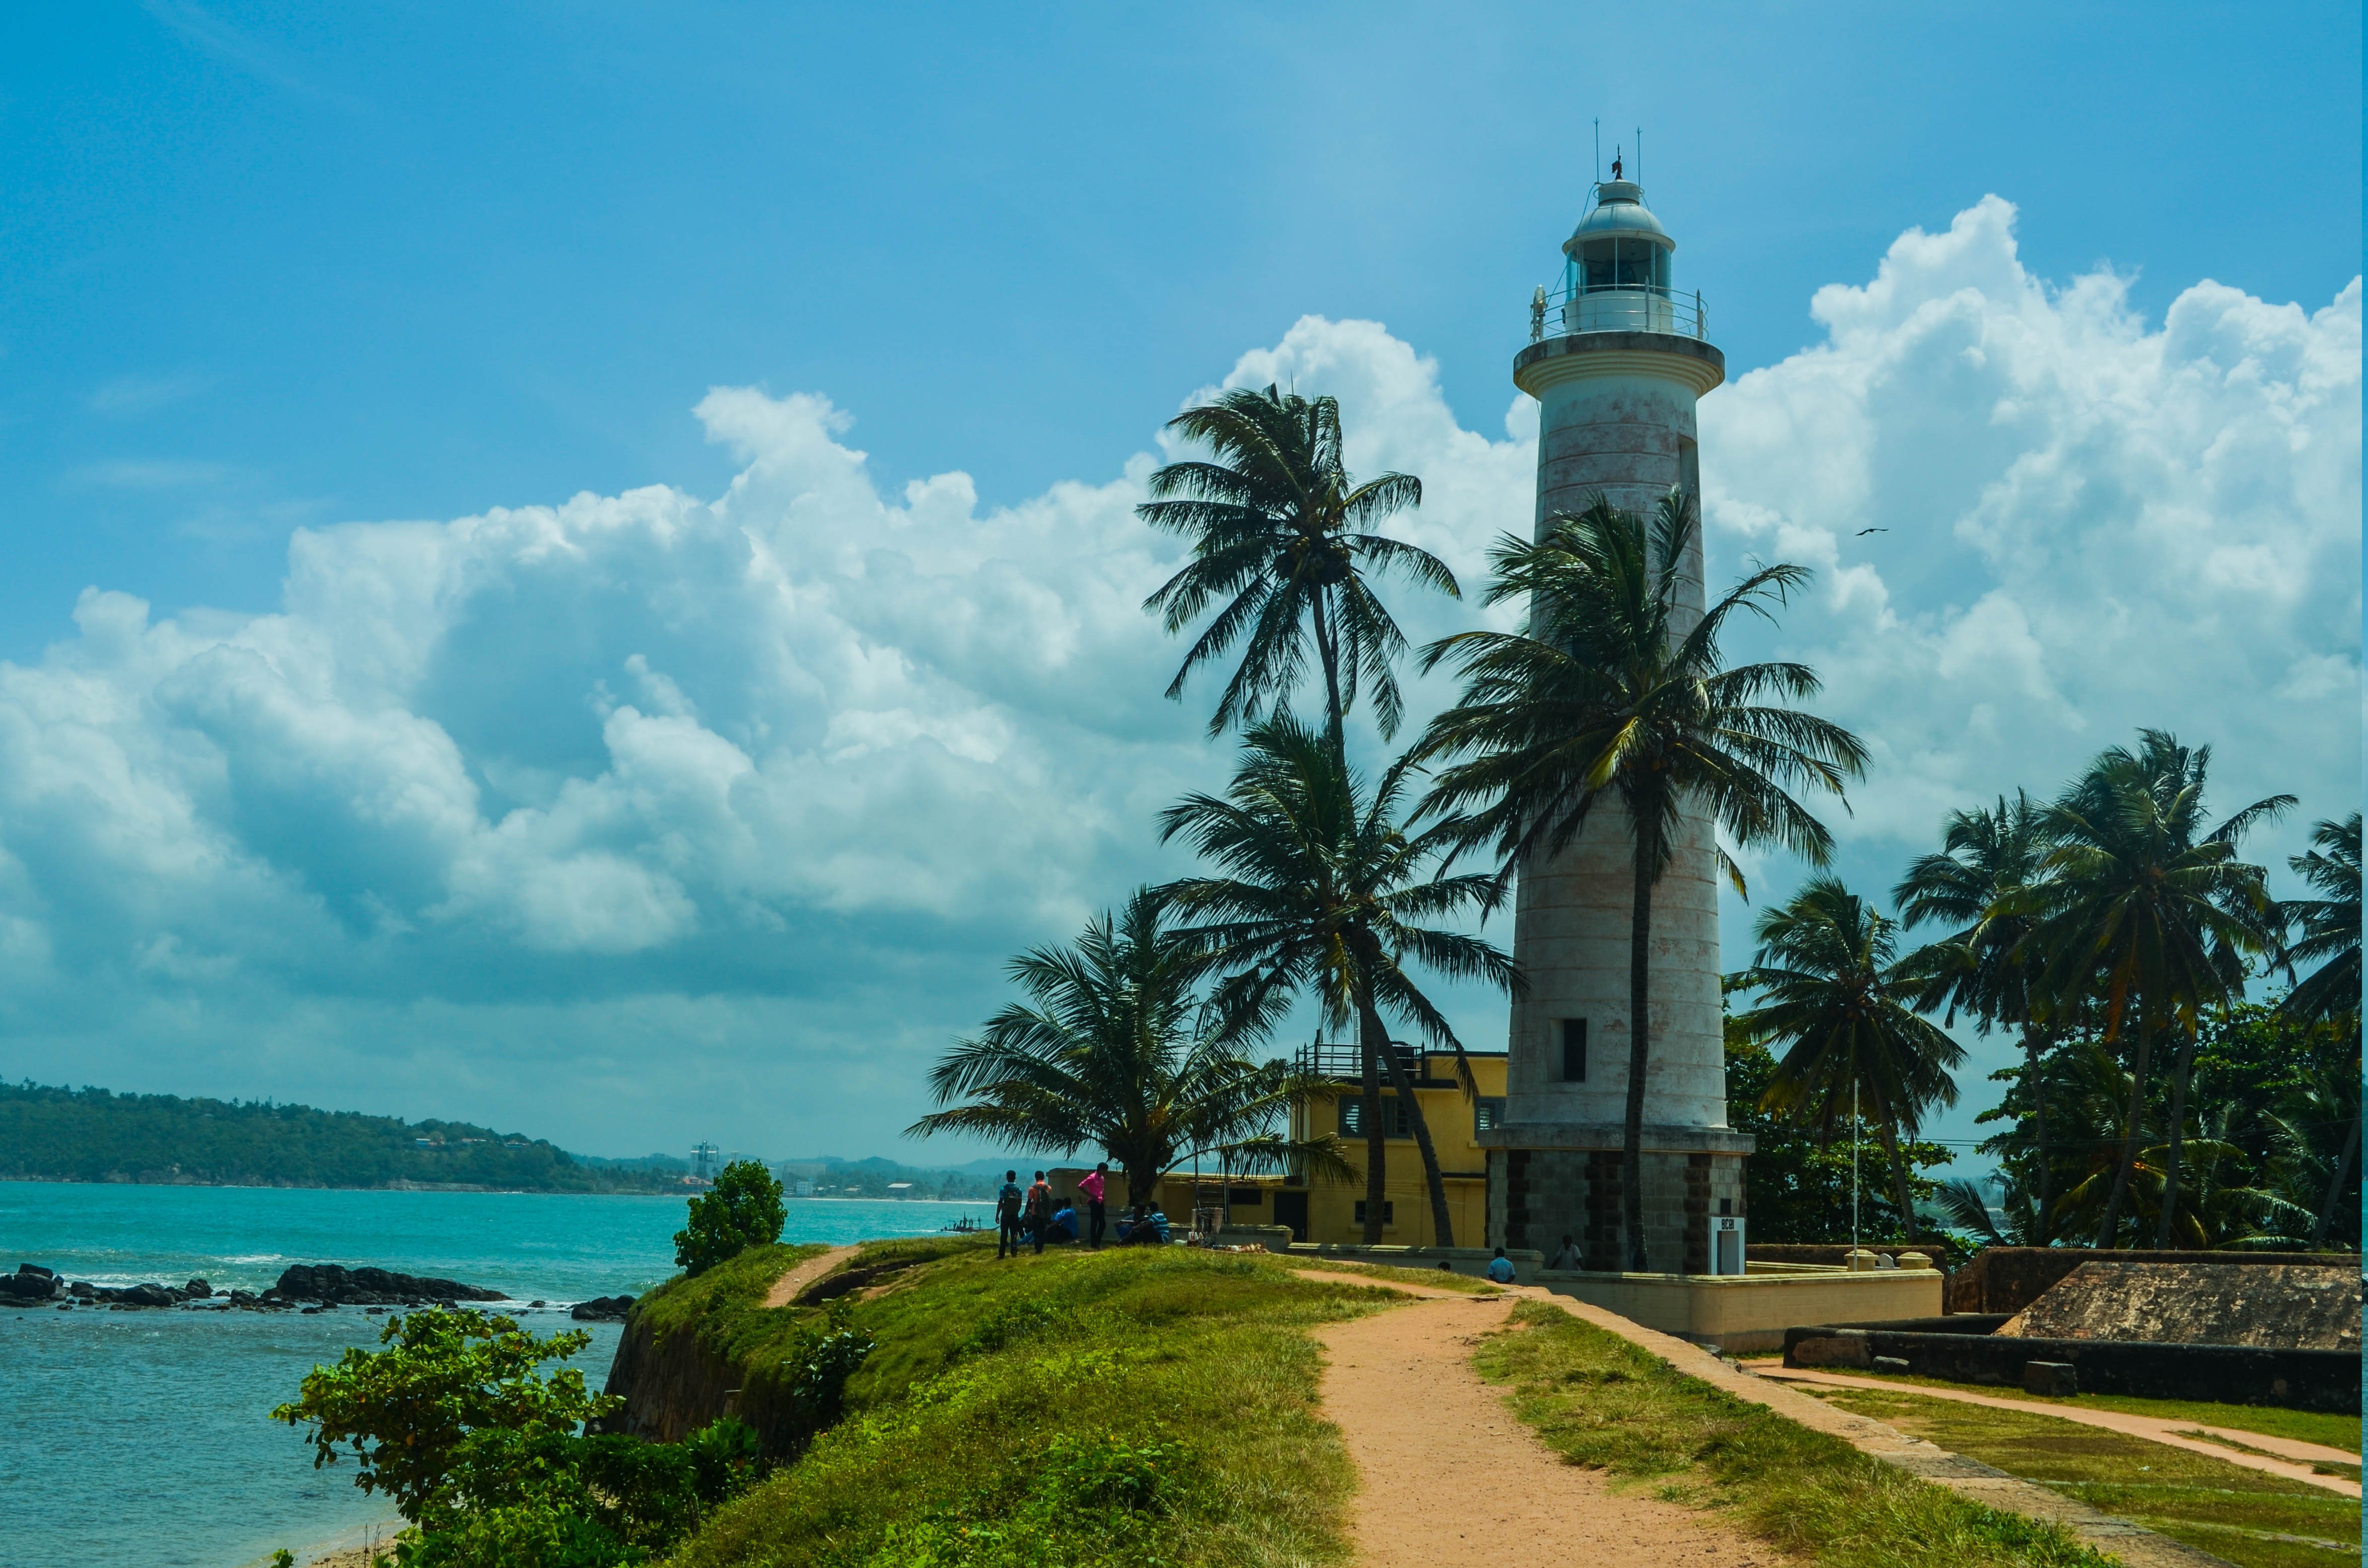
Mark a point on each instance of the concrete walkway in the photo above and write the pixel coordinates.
(2291, 1458)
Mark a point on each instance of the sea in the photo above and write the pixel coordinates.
(144, 1437)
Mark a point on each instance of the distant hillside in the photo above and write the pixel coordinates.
(56, 1134)
(834, 1177)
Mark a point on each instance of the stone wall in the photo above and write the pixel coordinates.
(1538, 1196)
(2286, 1306)
(2007, 1280)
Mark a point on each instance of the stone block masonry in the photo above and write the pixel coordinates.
(1539, 1195)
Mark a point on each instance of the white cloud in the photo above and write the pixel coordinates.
(742, 801)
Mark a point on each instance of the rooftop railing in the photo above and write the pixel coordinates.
(1345, 1062)
(1627, 307)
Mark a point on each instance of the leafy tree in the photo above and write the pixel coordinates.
(743, 1209)
(1988, 862)
(1608, 696)
(1114, 1049)
(1321, 889)
(1282, 538)
(2146, 908)
(407, 1411)
(1833, 990)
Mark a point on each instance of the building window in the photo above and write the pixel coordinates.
(1573, 1051)
(1487, 1113)
(1389, 1212)
(1245, 1196)
(1394, 1118)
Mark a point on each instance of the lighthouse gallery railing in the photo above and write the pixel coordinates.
(1626, 307)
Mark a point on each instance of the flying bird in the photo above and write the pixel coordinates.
(1864, 533)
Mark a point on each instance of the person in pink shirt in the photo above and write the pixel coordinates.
(1092, 1186)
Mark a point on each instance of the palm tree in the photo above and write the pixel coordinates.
(2330, 927)
(1281, 535)
(1321, 889)
(1113, 1049)
(1828, 972)
(1602, 696)
(1987, 859)
(2145, 907)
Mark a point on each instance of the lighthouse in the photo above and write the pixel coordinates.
(1617, 359)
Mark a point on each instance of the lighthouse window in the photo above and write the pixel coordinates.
(1573, 1051)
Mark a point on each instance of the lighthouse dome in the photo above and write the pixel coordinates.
(1619, 213)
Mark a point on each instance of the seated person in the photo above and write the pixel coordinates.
(1064, 1224)
(1501, 1267)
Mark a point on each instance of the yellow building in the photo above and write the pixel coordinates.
(1319, 1210)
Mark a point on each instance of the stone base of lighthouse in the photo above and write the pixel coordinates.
(1545, 1183)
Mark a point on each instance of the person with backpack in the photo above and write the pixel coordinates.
(1040, 1209)
(1007, 1216)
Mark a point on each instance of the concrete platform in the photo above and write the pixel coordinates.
(1740, 1314)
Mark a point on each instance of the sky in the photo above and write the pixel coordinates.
(575, 567)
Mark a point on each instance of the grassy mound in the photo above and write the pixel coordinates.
(1600, 1401)
(1134, 1407)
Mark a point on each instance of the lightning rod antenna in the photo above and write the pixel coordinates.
(1598, 149)
(1640, 155)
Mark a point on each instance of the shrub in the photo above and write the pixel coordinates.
(742, 1211)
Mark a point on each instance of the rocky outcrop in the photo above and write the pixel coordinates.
(602, 1309)
(334, 1285)
(672, 1386)
(2277, 1307)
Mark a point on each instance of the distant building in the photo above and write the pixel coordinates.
(706, 1162)
(900, 1189)
(804, 1189)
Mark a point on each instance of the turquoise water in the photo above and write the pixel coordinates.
(141, 1438)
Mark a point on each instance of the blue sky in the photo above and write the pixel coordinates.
(627, 820)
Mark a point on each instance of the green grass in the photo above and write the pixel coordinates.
(1133, 1406)
(2325, 1428)
(1601, 1402)
(2220, 1508)
(725, 1306)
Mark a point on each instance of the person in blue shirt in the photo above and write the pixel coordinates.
(1501, 1267)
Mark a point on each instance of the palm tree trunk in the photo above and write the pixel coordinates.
(2037, 1072)
(1441, 1226)
(2335, 1186)
(1329, 656)
(1631, 1126)
(1374, 1041)
(2178, 1125)
(2129, 1160)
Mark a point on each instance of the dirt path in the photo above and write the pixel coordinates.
(785, 1290)
(1452, 1477)
(2282, 1456)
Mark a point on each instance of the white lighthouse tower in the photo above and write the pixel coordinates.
(1617, 359)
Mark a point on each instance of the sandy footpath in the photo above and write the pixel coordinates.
(1451, 1476)
(785, 1290)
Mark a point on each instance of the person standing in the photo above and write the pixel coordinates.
(1569, 1256)
(1007, 1216)
(1040, 1209)
(1094, 1188)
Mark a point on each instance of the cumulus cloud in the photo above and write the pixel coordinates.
(731, 807)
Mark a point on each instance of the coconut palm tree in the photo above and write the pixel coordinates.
(1282, 541)
(2148, 910)
(2330, 925)
(1987, 859)
(1114, 1050)
(1320, 889)
(2330, 938)
(1831, 984)
(1604, 697)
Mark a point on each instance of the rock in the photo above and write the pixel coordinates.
(196, 1290)
(29, 1285)
(602, 1309)
(35, 1268)
(1889, 1364)
(82, 1290)
(2055, 1379)
(333, 1284)
(143, 1296)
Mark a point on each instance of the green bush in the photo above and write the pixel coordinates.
(742, 1211)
